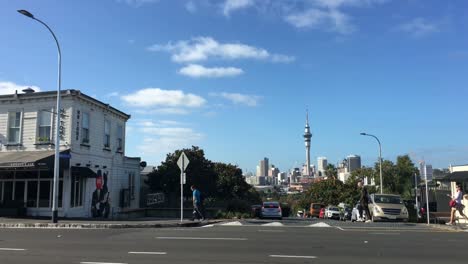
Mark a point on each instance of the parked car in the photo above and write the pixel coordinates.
(271, 210)
(322, 213)
(332, 212)
(315, 209)
(387, 207)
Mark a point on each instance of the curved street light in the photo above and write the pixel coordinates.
(57, 121)
(380, 159)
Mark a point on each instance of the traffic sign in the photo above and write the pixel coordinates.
(183, 162)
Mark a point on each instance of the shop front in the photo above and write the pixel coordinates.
(26, 182)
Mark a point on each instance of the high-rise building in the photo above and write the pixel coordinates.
(307, 137)
(425, 170)
(322, 164)
(354, 162)
(263, 170)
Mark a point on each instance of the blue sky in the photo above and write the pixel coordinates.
(235, 77)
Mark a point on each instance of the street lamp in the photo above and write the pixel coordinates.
(57, 121)
(380, 159)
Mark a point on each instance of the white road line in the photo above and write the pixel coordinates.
(101, 263)
(385, 234)
(12, 249)
(203, 238)
(273, 224)
(148, 253)
(236, 223)
(340, 228)
(277, 231)
(290, 256)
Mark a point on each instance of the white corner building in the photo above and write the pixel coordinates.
(96, 178)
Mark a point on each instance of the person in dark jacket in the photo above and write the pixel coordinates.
(364, 202)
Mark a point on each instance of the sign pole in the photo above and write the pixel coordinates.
(182, 189)
(182, 163)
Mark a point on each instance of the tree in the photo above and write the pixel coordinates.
(326, 191)
(331, 171)
(200, 172)
(231, 184)
(397, 178)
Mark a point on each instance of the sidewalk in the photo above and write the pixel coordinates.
(6, 222)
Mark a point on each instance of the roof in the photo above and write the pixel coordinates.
(64, 93)
(457, 176)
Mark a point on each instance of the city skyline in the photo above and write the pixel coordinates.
(236, 79)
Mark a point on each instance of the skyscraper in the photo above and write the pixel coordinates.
(263, 167)
(307, 137)
(322, 165)
(354, 162)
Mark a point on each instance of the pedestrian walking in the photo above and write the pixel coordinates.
(457, 205)
(197, 204)
(364, 202)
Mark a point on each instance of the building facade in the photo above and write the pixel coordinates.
(96, 178)
(322, 164)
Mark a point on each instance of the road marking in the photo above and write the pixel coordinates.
(339, 228)
(321, 224)
(273, 224)
(291, 256)
(277, 231)
(205, 226)
(101, 263)
(203, 238)
(12, 249)
(236, 223)
(385, 234)
(148, 253)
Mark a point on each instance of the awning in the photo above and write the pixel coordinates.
(83, 172)
(27, 159)
(458, 176)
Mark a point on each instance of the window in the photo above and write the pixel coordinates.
(76, 191)
(131, 185)
(45, 124)
(31, 199)
(119, 138)
(14, 127)
(44, 193)
(106, 134)
(85, 129)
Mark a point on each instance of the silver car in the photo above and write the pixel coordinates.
(271, 210)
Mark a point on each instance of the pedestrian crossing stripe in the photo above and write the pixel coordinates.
(273, 224)
(236, 223)
(321, 224)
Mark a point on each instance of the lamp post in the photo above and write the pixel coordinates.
(380, 159)
(57, 121)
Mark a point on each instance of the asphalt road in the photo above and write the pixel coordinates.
(254, 242)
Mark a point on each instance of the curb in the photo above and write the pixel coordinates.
(449, 228)
(102, 226)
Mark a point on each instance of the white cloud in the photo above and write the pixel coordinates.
(204, 48)
(198, 71)
(340, 3)
(191, 7)
(10, 88)
(237, 98)
(419, 27)
(138, 3)
(330, 20)
(163, 111)
(233, 5)
(113, 94)
(165, 136)
(164, 98)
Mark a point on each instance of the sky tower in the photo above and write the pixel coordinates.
(307, 137)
